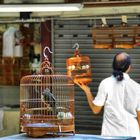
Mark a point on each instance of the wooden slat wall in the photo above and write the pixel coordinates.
(68, 32)
(76, 1)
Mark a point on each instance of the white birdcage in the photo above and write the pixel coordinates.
(46, 103)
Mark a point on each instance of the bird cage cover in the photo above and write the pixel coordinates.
(46, 104)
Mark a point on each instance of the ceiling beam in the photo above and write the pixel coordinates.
(112, 3)
(32, 1)
(103, 3)
(104, 11)
(112, 8)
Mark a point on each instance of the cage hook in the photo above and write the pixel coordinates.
(76, 46)
(46, 47)
(46, 63)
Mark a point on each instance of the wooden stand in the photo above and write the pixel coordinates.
(41, 131)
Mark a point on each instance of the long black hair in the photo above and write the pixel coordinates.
(120, 65)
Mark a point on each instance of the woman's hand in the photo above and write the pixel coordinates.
(84, 87)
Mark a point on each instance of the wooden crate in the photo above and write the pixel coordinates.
(7, 60)
(25, 62)
(102, 37)
(8, 69)
(116, 37)
(123, 37)
(12, 69)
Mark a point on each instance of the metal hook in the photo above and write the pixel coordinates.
(76, 45)
(46, 63)
(46, 47)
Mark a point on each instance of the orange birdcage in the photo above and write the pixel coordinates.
(79, 67)
(46, 103)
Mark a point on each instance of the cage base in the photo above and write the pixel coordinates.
(84, 80)
(42, 131)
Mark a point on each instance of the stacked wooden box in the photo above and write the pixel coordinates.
(12, 69)
(116, 37)
(124, 37)
(102, 38)
(25, 62)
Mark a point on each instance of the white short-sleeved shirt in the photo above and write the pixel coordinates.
(121, 101)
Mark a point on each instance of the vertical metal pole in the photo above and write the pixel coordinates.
(52, 40)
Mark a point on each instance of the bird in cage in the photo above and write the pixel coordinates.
(49, 98)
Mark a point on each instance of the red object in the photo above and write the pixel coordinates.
(137, 44)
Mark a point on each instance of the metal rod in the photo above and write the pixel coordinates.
(52, 40)
(42, 19)
(31, 20)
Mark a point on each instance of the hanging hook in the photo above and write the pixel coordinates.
(46, 47)
(76, 45)
(46, 63)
